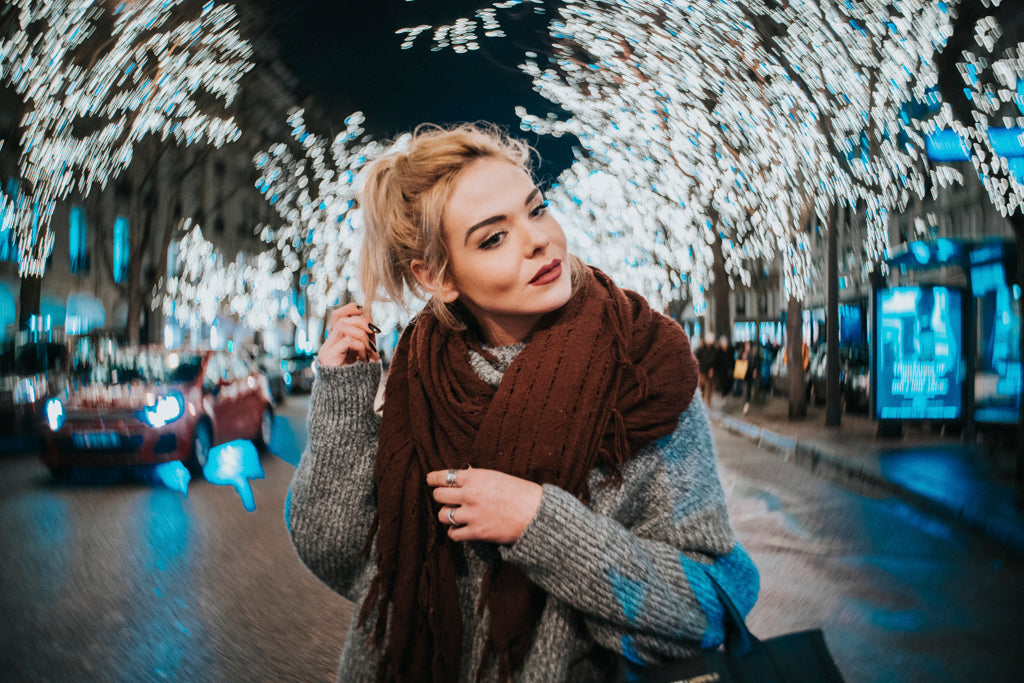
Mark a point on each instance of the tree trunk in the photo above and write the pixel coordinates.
(30, 295)
(794, 360)
(833, 401)
(722, 318)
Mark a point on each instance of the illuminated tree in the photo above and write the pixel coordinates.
(983, 89)
(311, 183)
(99, 78)
(747, 120)
(731, 129)
(203, 286)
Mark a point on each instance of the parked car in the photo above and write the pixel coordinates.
(147, 405)
(30, 370)
(300, 370)
(280, 382)
(849, 356)
(856, 381)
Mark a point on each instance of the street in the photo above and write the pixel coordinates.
(128, 580)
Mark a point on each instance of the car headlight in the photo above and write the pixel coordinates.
(167, 409)
(24, 392)
(54, 412)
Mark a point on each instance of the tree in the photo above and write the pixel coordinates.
(739, 125)
(311, 183)
(204, 287)
(96, 82)
(983, 88)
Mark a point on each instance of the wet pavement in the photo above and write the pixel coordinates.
(970, 483)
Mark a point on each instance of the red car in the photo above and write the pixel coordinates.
(147, 405)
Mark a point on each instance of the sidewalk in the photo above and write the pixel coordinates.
(938, 473)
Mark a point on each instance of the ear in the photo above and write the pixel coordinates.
(445, 291)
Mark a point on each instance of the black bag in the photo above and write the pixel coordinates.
(792, 658)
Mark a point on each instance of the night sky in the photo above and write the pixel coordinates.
(346, 53)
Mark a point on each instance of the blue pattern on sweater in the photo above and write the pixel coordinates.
(736, 574)
(288, 510)
(631, 594)
(629, 652)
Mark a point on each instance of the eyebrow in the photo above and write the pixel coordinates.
(496, 219)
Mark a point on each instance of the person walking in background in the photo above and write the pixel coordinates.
(724, 360)
(707, 360)
(747, 372)
(540, 461)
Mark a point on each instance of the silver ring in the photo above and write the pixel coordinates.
(451, 516)
(449, 480)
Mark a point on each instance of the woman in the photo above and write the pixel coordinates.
(540, 494)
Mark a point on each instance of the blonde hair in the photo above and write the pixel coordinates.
(403, 196)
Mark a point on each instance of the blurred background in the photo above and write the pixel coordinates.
(837, 182)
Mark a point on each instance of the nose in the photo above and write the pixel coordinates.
(537, 239)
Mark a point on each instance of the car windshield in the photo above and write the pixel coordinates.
(128, 364)
(32, 358)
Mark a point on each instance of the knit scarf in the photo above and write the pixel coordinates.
(597, 380)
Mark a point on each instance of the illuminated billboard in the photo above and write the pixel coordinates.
(997, 377)
(919, 358)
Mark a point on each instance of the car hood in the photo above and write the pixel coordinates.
(117, 397)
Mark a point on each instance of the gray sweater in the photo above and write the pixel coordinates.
(626, 574)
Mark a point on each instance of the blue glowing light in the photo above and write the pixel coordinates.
(174, 475)
(167, 409)
(54, 411)
(233, 464)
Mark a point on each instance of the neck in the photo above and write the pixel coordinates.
(504, 334)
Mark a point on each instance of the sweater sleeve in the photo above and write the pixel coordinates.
(331, 501)
(636, 562)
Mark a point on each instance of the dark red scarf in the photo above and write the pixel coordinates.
(597, 380)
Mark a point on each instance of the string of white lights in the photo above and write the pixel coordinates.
(90, 98)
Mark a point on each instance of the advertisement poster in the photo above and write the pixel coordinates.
(919, 354)
(997, 380)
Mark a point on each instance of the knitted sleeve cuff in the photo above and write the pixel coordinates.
(345, 394)
(560, 513)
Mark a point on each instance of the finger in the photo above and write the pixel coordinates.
(440, 478)
(347, 310)
(359, 320)
(449, 495)
(348, 327)
(344, 352)
(446, 513)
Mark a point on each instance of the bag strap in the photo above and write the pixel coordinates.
(738, 638)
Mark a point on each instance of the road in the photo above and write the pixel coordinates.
(129, 580)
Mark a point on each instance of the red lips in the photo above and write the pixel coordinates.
(548, 273)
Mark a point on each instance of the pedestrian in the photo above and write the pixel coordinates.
(747, 372)
(707, 360)
(539, 495)
(724, 361)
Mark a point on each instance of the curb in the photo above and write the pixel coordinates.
(827, 465)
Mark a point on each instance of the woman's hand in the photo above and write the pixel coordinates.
(486, 505)
(350, 338)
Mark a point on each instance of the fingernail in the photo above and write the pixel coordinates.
(376, 330)
(373, 346)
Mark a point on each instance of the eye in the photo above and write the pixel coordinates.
(493, 240)
(539, 210)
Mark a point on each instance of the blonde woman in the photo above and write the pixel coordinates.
(540, 496)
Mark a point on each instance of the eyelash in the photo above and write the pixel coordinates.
(492, 241)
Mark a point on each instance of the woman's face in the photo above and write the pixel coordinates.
(508, 260)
